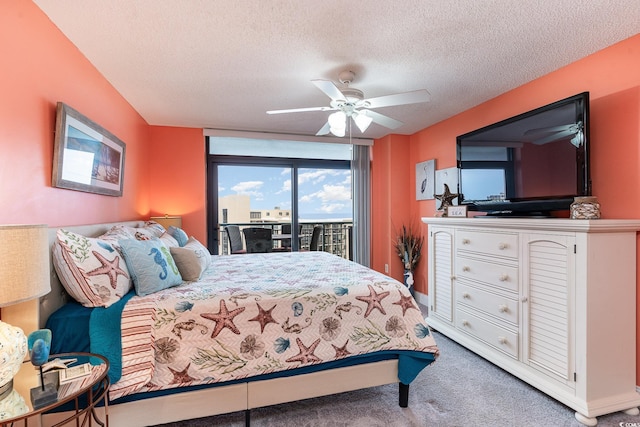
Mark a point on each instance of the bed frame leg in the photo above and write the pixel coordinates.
(247, 417)
(404, 395)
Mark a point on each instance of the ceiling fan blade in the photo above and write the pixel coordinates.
(414, 97)
(301, 110)
(383, 120)
(324, 130)
(330, 89)
(554, 137)
(550, 129)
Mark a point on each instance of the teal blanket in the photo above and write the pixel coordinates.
(106, 336)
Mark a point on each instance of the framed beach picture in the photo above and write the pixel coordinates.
(86, 156)
(425, 179)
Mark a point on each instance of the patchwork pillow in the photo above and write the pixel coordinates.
(179, 235)
(91, 270)
(150, 264)
(118, 232)
(192, 259)
(153, 227)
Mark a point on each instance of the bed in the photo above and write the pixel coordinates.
(254, 330)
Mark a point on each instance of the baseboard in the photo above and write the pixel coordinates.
(422, 298)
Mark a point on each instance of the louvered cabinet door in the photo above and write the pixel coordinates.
(441, 271)
(547, 297)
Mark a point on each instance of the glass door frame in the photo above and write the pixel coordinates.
(213, 161)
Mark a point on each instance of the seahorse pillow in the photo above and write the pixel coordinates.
(150, 264)
(91, 270)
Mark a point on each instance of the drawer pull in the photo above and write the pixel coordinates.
(466, 295)
(466, 241)
(503, 308)
(503, 246)
(466, 268)
(504, 277)
(465, 323)
(525, 299)
(502, 340)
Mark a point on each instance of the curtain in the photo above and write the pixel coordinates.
(361, 173)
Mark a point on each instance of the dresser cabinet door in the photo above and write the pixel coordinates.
(547, 305)
(441, 272)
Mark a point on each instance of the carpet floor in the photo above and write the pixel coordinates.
(460, 389)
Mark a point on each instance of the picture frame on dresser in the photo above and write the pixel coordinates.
(86, 156)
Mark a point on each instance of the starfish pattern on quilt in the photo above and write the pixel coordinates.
(306, 353)
(406, 302)
(373, 300)
(264, 317)
(224, 319)
(110, 268)
(181, 377)
(341, 351)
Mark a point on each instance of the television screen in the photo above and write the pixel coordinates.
(535, 162)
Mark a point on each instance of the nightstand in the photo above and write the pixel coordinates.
(85, 393)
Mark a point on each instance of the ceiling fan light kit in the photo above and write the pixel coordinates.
(350, 102)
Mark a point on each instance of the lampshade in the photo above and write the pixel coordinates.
(168, 221)
(362, 120)
(24, 270)
(24, 275)
(338, 123)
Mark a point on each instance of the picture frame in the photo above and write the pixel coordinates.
(459, 211)
(86, 157)
(425, 180)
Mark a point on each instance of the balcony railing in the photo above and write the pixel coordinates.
(335, 238)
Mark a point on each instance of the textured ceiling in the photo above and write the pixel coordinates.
(222, 64)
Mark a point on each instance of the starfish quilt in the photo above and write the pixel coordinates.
(257, 314)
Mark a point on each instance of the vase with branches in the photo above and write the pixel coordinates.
(409, 248)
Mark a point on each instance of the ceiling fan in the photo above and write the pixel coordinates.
(544, 135)
(350, 102)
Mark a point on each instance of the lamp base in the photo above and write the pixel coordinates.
(40, 397)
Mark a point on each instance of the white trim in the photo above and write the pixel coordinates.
(284, 136)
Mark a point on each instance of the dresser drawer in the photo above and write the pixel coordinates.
(494, 335)
(499, 275)
(488, 243)
(495, 305)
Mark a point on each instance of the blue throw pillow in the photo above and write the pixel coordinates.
(179, 235)
(150, 265)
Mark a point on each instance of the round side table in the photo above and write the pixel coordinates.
(85, 392)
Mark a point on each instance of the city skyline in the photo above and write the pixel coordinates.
(322, 193)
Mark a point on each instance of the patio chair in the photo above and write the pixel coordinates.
(258, 239)
(235, 239)
(315, 238)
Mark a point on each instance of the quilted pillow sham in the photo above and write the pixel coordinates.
(150, 264)
(91, 270)
(179, 235)
(192, 259)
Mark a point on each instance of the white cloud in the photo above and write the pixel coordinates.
(317, 176)
(251, 188)
(332, 207)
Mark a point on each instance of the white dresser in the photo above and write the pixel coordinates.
(552, 301)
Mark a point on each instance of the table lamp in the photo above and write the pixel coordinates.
(24, 275)
(168, 221)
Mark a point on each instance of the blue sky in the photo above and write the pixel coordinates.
(322, 193)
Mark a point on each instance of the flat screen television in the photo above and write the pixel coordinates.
(532, 164)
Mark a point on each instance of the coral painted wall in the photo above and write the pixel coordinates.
(612, 78)
(178, 177)
(41, 67)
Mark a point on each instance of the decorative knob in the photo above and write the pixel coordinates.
(466, 241)
(502, 308)
(504, 277)
(466, 295)
(466, 268)
(525, 299)
(503, 246)
(502, 340)
(465, 323)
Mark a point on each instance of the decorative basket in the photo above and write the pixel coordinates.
(585, 208)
